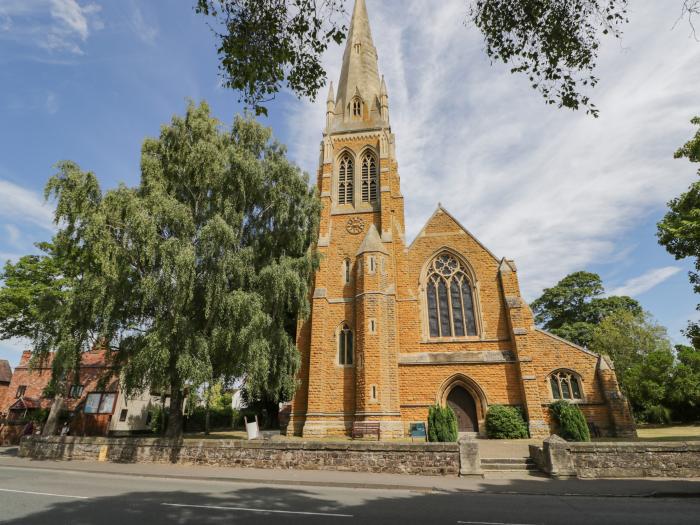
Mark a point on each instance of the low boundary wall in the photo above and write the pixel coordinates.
(398, 458)
(561, 459)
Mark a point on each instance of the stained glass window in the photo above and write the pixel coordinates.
(450, 299)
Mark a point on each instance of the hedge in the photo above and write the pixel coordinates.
(572, 423)
(505, 422)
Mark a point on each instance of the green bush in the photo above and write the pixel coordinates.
(572, 423)
(159, 419)
(657, 414)
(220, 418)
(442, 424)
(504, 422)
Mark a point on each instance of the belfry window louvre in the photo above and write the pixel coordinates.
(565, 385)
(369, 178)
(346, 175)
(449, 299)
(356, 107)
(345, 347)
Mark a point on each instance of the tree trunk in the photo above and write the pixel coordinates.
(51, 425)
(174, 428)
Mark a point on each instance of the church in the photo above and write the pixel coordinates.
(396, 325)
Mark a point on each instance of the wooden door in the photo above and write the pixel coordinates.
(464, 408)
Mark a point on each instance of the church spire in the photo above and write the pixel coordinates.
(360, 72)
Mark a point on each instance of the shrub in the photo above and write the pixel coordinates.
(572, 423)
(657, 414)
(503, 422)
(442, 424)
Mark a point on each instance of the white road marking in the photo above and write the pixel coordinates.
(259, 510)
(491, 523)
(43, 494)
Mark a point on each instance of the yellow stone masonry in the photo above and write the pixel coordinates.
(398, 370)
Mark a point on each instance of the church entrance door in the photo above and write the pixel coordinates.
(464, 408)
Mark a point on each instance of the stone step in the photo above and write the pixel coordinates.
(523, 467)
(526, 459)
(508, 464)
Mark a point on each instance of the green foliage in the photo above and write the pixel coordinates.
(572, 424)
(195, 273)
(220, 418)
(442, 424)
(684, 390)
(263, 43)
(679, 230)
(656, 414)
(575, 305)
(159, 418)
(505, 422)
(642, 354)
(39, 415)
(554, 42)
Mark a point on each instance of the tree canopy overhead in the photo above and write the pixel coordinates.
(195, 273)
(266, 45)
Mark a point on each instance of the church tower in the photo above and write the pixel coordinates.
(349, 344)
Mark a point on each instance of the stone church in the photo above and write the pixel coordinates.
(397, 326)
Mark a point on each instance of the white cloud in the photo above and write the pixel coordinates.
(645, 282)
(20, 204)
(146, 31)
(13, 233)
(51, 103)
(554, 189)
(55, 25)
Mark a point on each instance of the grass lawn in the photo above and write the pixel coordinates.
(666, 433)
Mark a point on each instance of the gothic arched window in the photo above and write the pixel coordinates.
(346, 174)
(450, 299)
(356, 107)
(369, 178)
(345, 349)
(565, 385)
(347, 270)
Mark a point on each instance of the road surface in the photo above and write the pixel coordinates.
(37, 496)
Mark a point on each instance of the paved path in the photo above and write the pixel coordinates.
(55, 497)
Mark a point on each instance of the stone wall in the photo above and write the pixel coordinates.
(398, 458)
(638, 459)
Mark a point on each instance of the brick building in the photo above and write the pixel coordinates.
(5, 379)
(95, 404)
(396, 326)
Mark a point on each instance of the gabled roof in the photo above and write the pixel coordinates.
(5, 371)
(440, 209)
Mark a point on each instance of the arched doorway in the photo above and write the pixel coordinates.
(464, 407)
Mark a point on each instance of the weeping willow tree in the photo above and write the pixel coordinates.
(197, 271)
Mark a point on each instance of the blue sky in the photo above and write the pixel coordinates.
(557, 191)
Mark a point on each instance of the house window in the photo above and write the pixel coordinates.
(122, 415)
(21, 389)
(75, 391)
(450, 299)
(346, 176)
(100, 403)
(369, 178)
(565, 385)
(345, 349)
(347, 267)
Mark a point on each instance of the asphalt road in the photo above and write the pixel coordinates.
(31, 496)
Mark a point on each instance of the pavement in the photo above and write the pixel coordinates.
(50, 495)
(494, 483)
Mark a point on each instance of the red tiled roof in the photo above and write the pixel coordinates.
(93, 358)
(5, 371)
(28, 403)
